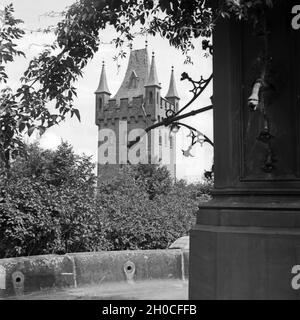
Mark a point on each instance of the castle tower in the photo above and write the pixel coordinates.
(120, 120)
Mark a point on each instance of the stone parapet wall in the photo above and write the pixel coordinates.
(24, 275)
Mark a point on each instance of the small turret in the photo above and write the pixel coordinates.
(102, 93)
(153, 86)
(103, 87)
(153, 78)
(172, 94)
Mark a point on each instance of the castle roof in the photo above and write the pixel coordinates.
(136, 75)
(103, 87)
(172, 92)
(153, 79)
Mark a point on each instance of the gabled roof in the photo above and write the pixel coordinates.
(138, 68)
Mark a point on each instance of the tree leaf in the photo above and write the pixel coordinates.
(77, 113)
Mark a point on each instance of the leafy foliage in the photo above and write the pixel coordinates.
(246, 9)
(156, 179)
(48, 204)
(48, 78)
(140, 213)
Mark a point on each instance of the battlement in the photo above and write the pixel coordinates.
(124, 103)
(135, 108)
(137, 101)
(125, 109)
(112, 103)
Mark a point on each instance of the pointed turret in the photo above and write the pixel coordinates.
(102, 94)
(153, 78)
(172, 94)
(152, 88)
(103, 87)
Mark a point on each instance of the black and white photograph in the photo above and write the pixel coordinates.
(149, 154)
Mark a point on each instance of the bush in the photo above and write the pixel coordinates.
(138, 213)
(48, 204)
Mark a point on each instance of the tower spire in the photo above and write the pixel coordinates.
(103, 87)
(153, 79)
(172, 92)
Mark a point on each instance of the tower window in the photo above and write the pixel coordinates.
(171, 142)
(100, 104)
(150, 97)
(133, 81)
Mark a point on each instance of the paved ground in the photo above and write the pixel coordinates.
(143, 290)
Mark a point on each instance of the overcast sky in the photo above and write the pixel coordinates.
(83, 135)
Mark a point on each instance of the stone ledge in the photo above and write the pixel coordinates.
(26, 275)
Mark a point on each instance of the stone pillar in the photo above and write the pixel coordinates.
(247, 239)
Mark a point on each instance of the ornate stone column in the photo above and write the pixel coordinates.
(247, 239)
